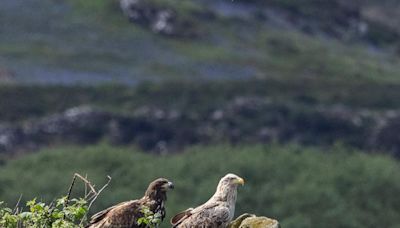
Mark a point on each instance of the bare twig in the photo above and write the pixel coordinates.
(87, 185)
(94, 197)
(15, 211)
(98, 193)
(86, 188)
(90, 185)
(70, 191)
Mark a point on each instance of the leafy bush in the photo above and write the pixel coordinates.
(60, 213)
(56, 214)
(150, 219)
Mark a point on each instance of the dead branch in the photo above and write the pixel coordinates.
(15, 211)
(98, 193)
(90, 192)
(90, 185)
(94, 197)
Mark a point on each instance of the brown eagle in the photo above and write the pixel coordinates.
(127, 214)
(217, 212)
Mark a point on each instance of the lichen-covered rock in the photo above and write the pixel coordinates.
(259, 222)
(253, 221)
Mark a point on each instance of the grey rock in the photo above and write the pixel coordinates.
(159, 19)
(10, 137)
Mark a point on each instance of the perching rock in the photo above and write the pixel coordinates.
(253, 221)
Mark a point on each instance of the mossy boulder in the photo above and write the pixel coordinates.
(253, 221)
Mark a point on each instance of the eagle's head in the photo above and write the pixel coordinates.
(158, 188)
(227, 188)
(231, 180)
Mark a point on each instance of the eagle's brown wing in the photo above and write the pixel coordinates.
(181, 216)
(121, 215)
(208, 215)
(99, 215)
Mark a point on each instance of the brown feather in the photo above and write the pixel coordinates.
(126, 214)
(100, 215)
(178, 218)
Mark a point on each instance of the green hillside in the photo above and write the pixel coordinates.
(91, 42)
(301, 187)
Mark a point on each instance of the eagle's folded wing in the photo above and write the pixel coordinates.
(220, 216)
(209, 215)
(182, 216)
(125, 213)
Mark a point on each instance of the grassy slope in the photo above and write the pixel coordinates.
(298, 186)
(227, 49)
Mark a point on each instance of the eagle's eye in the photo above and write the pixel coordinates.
(165, 185)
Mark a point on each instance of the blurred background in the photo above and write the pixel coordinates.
(299, 97)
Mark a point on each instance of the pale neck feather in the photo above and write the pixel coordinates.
(227, 195)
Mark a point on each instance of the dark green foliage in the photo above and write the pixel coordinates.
(150, 219)
(299, 187)
(25, 102)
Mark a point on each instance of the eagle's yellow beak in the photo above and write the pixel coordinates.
(239, 181)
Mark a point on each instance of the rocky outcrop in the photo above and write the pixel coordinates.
(253, 221)
(159, 19)
(243, 120)
(372, 23)
(151, 129)
(339, 19)
(76, 125)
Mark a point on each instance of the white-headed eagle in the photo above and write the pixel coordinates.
(217, 212)
(127, 214)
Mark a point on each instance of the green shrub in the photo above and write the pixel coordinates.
(40, 215)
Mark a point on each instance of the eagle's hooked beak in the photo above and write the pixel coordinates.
(239, 181)
(168, 185)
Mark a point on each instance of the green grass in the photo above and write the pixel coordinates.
(299, 186)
